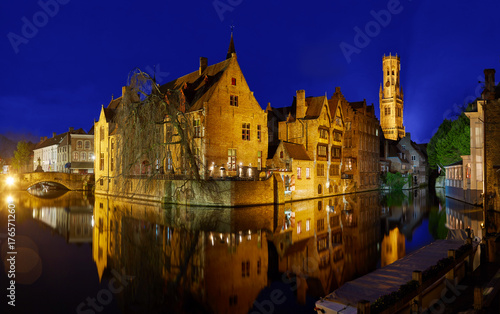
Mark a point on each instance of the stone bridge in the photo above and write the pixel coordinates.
(71, 181)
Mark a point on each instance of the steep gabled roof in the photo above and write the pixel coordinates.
(296, 151)
(197, 88)
(314, 106)
(357, 104)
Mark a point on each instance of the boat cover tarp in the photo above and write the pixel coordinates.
(389, 278)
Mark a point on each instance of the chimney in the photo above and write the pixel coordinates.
(71, 129)
(203, 65)
(489, 88)
(42, 139)
(54, 134)
(300, 111)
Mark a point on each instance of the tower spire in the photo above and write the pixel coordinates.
(231, 49)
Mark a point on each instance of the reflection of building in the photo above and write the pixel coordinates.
(392, 248)
(223, 268)
(330, 241)
(391, 99)
(74, 224)
(460, 215)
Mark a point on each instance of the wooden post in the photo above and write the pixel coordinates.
(363, 307)
(478, 298)
(451, 274)
(416, 303)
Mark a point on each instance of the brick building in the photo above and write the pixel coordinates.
(491, 155)
(317, 125)
(361, 152)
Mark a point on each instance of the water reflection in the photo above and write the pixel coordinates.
(230, 260)
(184, 259)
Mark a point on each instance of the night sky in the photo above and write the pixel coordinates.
(61, 66)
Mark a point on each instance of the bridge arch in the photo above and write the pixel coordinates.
(71, 181)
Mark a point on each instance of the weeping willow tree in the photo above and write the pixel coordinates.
(155, 139)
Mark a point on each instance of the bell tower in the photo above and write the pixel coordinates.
(391, 99)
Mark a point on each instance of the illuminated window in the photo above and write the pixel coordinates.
(231, 159)
(258, 133)
(245, 131)
(308, 222)
(83, 156)
(337, 136)
(321, 171)
(233, 101)
(308, 173)
(299, 225)
(79, 145)
(322, 151)
(323, 133)
(299, 173)
(336, 152)
(75, 156)
(197, 128)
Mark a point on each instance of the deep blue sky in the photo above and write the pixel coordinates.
(83, 54)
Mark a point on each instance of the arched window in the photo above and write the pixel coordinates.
(87, 144)
(75, 156)
(79, 145)
(320, 189)
(83, 156)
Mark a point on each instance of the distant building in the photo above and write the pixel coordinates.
(391, 99)
(76, 152)
(53, 154)
(417, 159)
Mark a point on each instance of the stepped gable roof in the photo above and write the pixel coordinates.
(197, 88)
(314, 106)
(357, 104)
(296, 151)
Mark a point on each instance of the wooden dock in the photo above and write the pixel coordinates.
(385, 280)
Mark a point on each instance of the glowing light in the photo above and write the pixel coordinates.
(10, 200)
(92, 222)
(10, 180)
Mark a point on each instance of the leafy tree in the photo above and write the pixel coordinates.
(451, 141)
(21, 159)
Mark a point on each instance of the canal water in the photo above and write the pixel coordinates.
(83, 254)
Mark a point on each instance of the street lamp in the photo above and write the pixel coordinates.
(10, 180)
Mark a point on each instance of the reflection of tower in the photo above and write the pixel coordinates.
(393, 247)
(391, 99)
